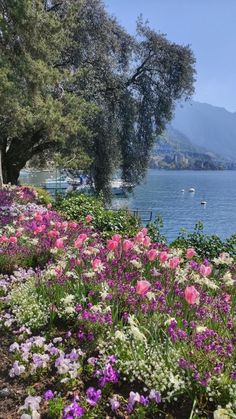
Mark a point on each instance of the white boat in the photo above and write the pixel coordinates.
(118, 187)
(62, 182)
(191, 190)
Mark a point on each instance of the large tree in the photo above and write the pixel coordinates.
(133, 80)
(38, 112)
(74, 81)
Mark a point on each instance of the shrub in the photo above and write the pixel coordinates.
(209, 246)
(78, 206)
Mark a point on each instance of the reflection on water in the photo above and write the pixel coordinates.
(162, 192)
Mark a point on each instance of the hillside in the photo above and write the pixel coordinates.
(208, 126)
(173, 150)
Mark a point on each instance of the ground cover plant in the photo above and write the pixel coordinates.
(119, 327)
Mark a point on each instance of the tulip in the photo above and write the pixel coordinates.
(116, 237)
(127, 245)
(191, 295)
(190, 253)
(205, 270)
(89, 218)
(142, 287)
(163, 256)
(174, 262)
(152, 254)
(112, 244)
(59, 244)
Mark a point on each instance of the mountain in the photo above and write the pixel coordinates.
(173, 150)
(208, 126)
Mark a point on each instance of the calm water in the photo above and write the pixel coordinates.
(161, 192)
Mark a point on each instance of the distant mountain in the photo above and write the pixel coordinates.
(173, 150)
(208, 126)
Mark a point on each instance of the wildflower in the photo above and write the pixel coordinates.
(97, 265)
(222, 414)
(73, 411)
(191, 295)
(155, 396)
(115, 404)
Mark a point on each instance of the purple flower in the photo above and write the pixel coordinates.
(155, 396)
(73, 411)
(48, 395)
(115, 404)
(93, 396)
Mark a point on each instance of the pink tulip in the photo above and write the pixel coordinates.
(205, 270)
(190, 253)
(64, 224)
(97, 264)
(80, 240)
(163, 256)
(53, 233)
(73, 224)
(112, 244)
(116, 237)
(139, 237)
(174, 262)
(59, 244)
(4, 239)
(49, 206)
(152, 254)
(226, 297)
(142, 287)
(38, 216)
(89, 218)
(146, 241)
(13, 239)
(144, 231)
(127, 245)
(191, 295)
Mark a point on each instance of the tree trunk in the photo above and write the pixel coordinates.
(11, 173)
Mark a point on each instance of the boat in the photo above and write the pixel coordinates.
(120, 188)
(203, 202)
(182, 190)
(191, 190)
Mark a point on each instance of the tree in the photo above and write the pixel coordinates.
(37, 111)
(133, 81)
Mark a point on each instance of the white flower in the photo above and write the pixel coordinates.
(120, 335)
(223, 414)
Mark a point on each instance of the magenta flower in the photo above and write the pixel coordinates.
(142, 287)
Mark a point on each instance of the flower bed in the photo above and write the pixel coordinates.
(119, 327)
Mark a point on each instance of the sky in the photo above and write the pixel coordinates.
(208, 26)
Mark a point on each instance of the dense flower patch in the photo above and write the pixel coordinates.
(121, 327)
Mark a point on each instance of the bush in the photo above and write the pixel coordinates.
(78, 206)
(44, 197)
(206, 246)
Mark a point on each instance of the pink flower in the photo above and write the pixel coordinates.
(80, 240)
(38, 216)
(174, 262)
(97, 265)
(89, 218)
(142, 287)
(152, 254)
(226, 297)
(59, 244)
(191, 295)
(163, 256)
(205, 270)
(144, 231)
(64, 224)
(190, 253)
(3, 239)
(116, 237)
(146, 241)
(112, 244)
(127, 245)
(73, 224)
(49, 206)
(139, 237)
(13, 239)
(53, 233)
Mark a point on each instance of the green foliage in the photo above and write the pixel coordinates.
(55, 407)
(205, 245)
(44, 197)
(78, 206)
(154, 230)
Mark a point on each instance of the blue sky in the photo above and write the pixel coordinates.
(208, 26)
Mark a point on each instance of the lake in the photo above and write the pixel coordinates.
(161, 192)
